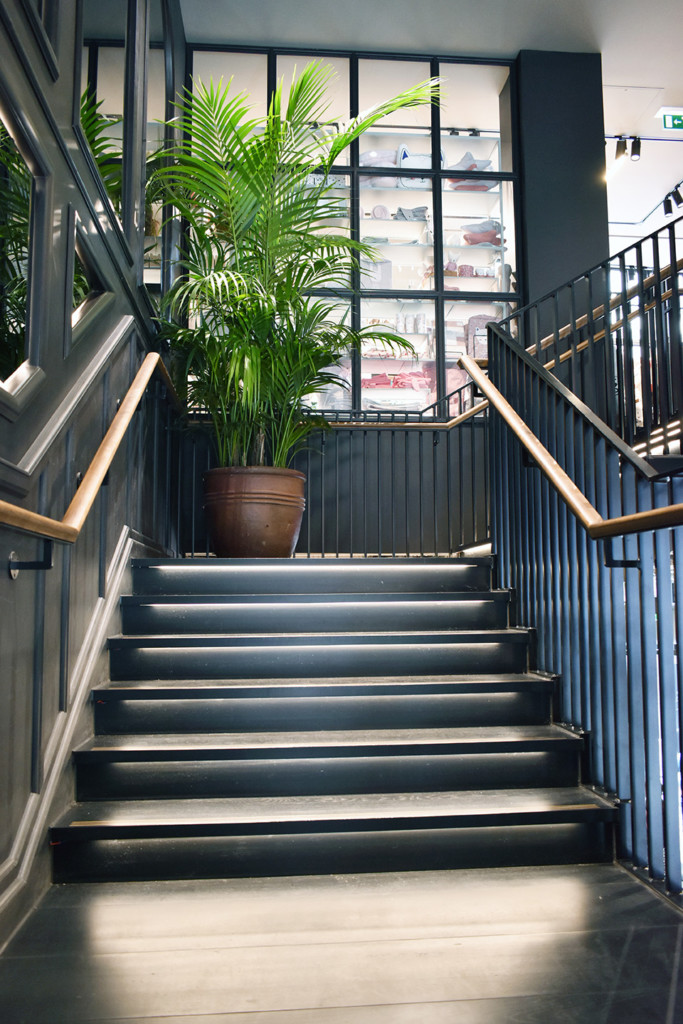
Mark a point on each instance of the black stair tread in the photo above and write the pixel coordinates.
(272, 576)
(473, 736)
(291, 687)
(276, 600)
(415, 638)
(303, 563)
(480, 805)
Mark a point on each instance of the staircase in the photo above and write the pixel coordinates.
(275, 717)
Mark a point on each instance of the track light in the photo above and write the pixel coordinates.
(668, 207)
(635, 148)
(621, 148)
(677, 197)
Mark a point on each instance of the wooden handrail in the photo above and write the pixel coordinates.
(412, 424)
(68, 529)
(588, 516)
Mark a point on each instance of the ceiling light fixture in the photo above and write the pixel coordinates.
(635, 148)
(677, 197)
(621, 148)
(668, 207)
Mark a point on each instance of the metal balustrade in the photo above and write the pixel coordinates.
(613, 336)
(377, 484)
(608, 612)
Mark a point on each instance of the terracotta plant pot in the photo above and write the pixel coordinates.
(254, 511)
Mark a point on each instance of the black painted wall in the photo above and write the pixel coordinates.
(563, 195)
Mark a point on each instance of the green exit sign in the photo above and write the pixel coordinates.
(673, 120)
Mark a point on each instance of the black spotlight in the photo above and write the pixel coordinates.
(677, 197)
(635, 148)
(621, 149)
(668, 207)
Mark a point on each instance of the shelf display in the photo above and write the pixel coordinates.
(465, 332)
(396, 217)
(400, 229)
(431, 190)
(478, 236)
(394, 379)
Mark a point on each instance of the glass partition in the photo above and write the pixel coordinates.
(432, 191)
(16, 183)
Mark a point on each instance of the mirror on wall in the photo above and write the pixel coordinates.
(16, 187)
(155, 136)
(103, 71)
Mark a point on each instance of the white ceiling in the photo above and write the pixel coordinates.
(640, 45)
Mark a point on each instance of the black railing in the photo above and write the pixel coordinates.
(613, 335)
(377, 484)
(608, 613)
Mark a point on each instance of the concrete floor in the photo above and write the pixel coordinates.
(586, 945)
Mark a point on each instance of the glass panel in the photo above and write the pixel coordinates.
(156, 109)
(15, 216)
(102, 97)
(398, 379)
(478, 235)
(464, 152)
(336, 99)
(81, 286)
(465, 331)
(335, 396)
(396, 219)
(379, 80)
(111, 62)
(337, 91)
(334, 219)
(475, 113)
(249, 73)
(156, 99)
(471, 97)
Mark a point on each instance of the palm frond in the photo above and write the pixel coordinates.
(260, 202)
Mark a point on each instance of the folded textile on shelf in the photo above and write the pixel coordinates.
(417, 213)
(485, 232)
(376, 380)
(472, 184)
(412, 379)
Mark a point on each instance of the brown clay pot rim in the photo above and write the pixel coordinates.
(266, 470)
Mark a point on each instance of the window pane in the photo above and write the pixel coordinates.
(393, 378)
(478, 235)
(471, 97)
(396, 219)
(379, 80)
(249, 72)
(15, 204)
(337, 91)
(465, 331)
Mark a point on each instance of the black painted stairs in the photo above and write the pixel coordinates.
(273, 717)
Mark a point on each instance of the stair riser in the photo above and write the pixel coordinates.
(329, 576)
(317, 776)
(314, 618)
(177, 662)
(272, 714)
(258, 856)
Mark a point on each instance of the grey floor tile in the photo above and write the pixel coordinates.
(541, 946)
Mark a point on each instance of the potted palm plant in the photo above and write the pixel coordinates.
(254, 315)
